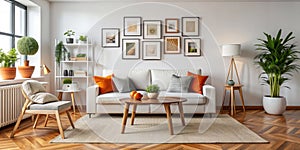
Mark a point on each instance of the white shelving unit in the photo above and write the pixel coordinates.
(86, 66)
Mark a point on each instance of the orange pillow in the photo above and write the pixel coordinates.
(105, 83)
(197, 82)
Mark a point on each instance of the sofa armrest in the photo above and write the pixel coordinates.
(210, 93)
(91, 94)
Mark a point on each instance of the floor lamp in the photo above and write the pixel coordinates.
(231, 50)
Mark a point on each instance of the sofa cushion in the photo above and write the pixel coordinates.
(197, 82)
(105, 83)
(113, 97)
(140, 78)
(162, 78)
(123, 85)
(59, 105)
(192, 98)
(179, 83)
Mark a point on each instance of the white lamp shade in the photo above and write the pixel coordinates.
(231, 49)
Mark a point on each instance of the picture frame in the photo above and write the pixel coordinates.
(192, 47)
(172, 44)
(132, 26)
(151, 50)
(190, 26)
(171, 25)
(130, 48)
(110, 37)
(152, 29)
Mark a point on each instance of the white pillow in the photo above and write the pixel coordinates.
(123, 85)
(140, 78)
(162, 78)
(32, 86)
(180, 84)
(42, 98)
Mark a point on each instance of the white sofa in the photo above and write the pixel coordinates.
(109, 102)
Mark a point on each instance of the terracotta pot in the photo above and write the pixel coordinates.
(26, 71)
(8, 73)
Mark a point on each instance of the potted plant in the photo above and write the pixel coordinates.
(82, 39)
(27, 46)
(7, 64)
(60, 52)
(152, 91)
(277, 58)
(69, 34)
(69, 85)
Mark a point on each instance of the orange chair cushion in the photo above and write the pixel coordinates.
(105, 83)
(197, 82)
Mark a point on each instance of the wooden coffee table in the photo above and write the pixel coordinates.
(166, 101)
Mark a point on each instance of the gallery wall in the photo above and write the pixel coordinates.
(221, 23)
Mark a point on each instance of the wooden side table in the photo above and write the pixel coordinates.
(72, 92)
(232, 97)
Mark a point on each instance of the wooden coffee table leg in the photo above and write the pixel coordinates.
(168, 112)
(133, 114)
(125, 115)
(181, 113)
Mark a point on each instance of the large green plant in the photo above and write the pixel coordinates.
(60, 49)
(27, 46)
(8, 59)
(277, 58)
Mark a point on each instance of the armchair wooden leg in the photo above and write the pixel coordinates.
(70, 119)
(36, 120)
(59, 125)
(46, 120)
(17, 124)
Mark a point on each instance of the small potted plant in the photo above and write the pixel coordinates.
(7, 64)
(27, 46)
(82, 39)
(69, 33)
(152, 91)
(60, 52)
(277, 58)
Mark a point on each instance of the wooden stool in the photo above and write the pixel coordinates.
(232, 97)
(72, 92)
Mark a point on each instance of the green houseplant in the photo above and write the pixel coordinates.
(60, 51)
(277, 58)
(82, 38)
(69, 33)
(152, 91)
(27, 46)
(7, 61)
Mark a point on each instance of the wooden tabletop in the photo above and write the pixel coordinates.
(160, 100)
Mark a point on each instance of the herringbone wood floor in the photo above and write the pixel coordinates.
(283, 132)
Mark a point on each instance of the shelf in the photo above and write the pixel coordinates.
(72, 77)
(69, 91)
(77, 44)
(75, 61)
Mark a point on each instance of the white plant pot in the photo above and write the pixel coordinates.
(152, 95)
(274, 105)
(70, 87)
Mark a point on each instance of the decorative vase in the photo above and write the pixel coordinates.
(230, 82)
(152, 95)
(274, 105)
(70, 40)
(26, 71)
(8, 73)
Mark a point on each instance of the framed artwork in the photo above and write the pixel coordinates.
(110, 37)
(131, 48)
(152, 29)
(190, 26)
(171, 25)
(192, 47)
(172, 44)
(151, 50)
(132, 26)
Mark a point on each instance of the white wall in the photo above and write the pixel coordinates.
(221, 23)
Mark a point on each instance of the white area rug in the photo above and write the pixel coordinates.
(154, 129)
